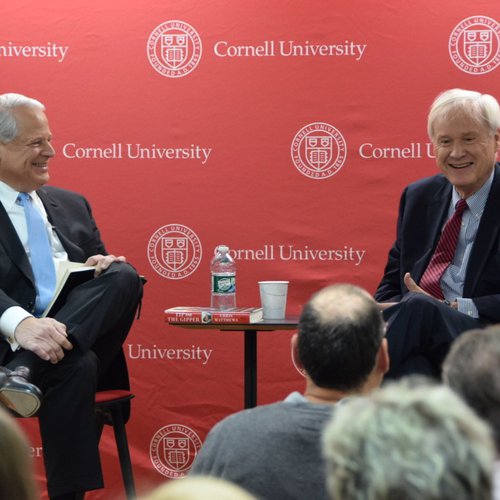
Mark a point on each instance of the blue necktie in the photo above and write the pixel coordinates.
(41, 254)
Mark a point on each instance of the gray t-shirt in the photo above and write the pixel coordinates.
(273, 451)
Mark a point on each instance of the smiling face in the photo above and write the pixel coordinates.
(24, 162)
(465, 151)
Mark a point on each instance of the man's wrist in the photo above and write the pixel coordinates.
(453, 304)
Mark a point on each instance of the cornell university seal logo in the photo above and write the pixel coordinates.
(474, 45)
(174, 251)
(174, 49)
(318, 150)
(173, 450)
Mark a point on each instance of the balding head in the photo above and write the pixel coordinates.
(340, 333)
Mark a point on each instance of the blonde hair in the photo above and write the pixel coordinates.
(17, 481)
(199, 488)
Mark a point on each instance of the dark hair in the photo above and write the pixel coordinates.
(340, 332)
(472, 368)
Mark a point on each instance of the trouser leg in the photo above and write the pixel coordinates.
(98, 316)
(420, 331)
(103, 308)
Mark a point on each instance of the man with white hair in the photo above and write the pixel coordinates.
(51, 366)
(443, 272)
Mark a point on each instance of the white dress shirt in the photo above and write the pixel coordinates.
(8, 197)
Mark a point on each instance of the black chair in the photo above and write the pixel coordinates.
(110, 408)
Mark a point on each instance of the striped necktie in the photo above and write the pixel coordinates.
(41, 254)
(444, 253)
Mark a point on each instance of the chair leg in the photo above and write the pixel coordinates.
(123, 452)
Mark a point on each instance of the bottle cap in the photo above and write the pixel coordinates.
(222, 248)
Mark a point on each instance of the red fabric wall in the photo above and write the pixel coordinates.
(285, 130)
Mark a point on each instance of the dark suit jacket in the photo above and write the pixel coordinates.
(71, 216)
(422, 211)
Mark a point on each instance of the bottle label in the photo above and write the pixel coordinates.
(223, 284)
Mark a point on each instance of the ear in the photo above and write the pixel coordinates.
(383, 361)
(295, 351)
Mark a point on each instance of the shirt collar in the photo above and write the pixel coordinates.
(477, 201)
(8, 195)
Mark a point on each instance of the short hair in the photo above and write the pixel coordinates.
(472, 369)
(408, 441)
(17, 480)
(483, 108)
(194, 488)
(8, 124)
(340, 332)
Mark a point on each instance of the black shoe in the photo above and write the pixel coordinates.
(17, 394)
(70, 496)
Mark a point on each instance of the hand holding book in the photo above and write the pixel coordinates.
(69, 275)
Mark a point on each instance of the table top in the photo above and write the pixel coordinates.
(289, 323)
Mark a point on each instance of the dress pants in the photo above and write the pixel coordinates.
(420, 331)
(98, 315)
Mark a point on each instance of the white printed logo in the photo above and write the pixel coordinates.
(174, 251)
(318, 150)
(474, 45)
(173, 450)
(174, 49)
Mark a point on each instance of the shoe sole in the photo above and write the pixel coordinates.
(23, 403)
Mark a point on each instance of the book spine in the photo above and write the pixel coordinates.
(184, 317)
(230, 317)
(199, 317)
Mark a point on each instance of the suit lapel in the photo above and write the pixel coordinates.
(435, 216)
(57, 217)
(486, 238)
(13, 246)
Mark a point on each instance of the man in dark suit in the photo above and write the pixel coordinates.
(426, 305)
(65, 357)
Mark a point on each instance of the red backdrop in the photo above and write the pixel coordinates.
(285, 130)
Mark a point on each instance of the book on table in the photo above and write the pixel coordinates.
(204, 315)
(68, 276)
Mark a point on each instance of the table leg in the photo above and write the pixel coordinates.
(250, 368)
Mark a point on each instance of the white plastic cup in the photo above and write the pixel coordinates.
(273, 298)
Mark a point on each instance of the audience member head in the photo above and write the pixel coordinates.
(8, 123)
(199, 488)
(16, 469)
(482, 108)
(472, 369)
(408, 440)
(340, 342)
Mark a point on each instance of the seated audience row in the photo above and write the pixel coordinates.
(343, 437)
(411, 439)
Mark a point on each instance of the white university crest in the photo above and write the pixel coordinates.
(174, 49)
(318, 150)
(478, 45)
(176, 452)
(174, 252)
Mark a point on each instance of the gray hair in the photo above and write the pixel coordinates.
(482, 108)
(472, 368)
(8, 125)
(408, 441)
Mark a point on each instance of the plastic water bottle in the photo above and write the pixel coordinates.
(223, 271)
